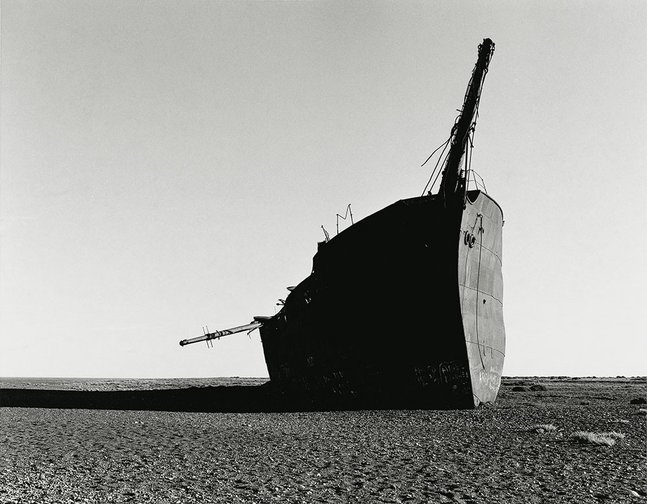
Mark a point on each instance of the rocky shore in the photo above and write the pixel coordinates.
(524, 448)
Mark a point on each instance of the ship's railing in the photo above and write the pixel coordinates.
(476, 179)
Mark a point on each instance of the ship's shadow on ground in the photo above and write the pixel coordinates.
(208, 399)
(224, 399)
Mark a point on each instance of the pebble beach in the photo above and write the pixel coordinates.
(524, 448)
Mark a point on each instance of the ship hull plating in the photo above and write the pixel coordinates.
(402, 309)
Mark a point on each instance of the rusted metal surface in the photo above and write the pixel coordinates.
(481, 293)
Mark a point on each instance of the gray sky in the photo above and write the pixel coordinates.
(167, 165)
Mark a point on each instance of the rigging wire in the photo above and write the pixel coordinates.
(440, 157)
(439, 172)
(468, 142)
(436, 150)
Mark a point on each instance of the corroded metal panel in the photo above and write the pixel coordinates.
(481, 293)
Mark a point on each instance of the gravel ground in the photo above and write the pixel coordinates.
(492, 454)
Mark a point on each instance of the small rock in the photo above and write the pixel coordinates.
(519, 389)
(538, 387)
(638, 400)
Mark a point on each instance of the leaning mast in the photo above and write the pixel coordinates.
(452, 182)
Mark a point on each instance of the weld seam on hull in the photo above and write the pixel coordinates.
(490, 250)
(482, 293)
(481, 345)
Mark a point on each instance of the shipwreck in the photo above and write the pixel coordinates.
(404, 308)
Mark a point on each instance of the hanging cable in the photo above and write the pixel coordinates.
(460, 140)
(436, 150)
(440, 158)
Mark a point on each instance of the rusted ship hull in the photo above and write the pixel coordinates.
(402, 309)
